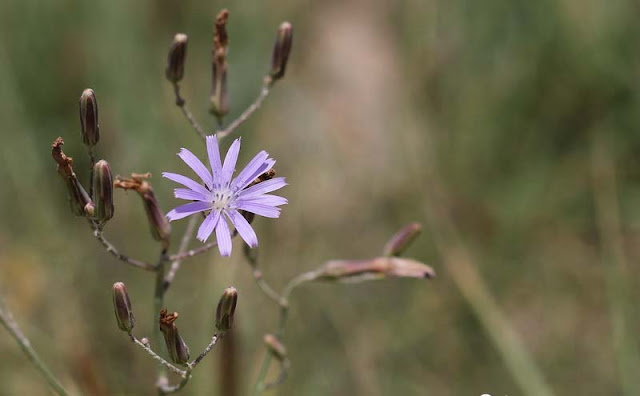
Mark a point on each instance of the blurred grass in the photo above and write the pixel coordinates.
(507, 93)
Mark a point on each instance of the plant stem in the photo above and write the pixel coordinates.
(6, 318)
(115, 253)
(264, 92)
(284, 314)
(92, 162)
(158, 358)
(184, 243)
(182, 104)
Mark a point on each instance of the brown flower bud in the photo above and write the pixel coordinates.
(122, 307)
(103, 191)
(281, 50)
(89, 118)
(226, 309)
(401, 240)
(275, 347)
(177, 56)
(377, 268)
(219, 93)
(177, 348)
(158, 223)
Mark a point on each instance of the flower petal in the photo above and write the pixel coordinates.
(265, 199)
(224, 238)
(244, 228)
(263, 187)
(213, 152)
(230, 161)
(207, 226)
(185, 193)
(185, 210)
(198, 167)
(185, 181)
(265, 167)
(243, 178)
(259, 209)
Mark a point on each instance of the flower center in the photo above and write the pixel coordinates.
(222, 197)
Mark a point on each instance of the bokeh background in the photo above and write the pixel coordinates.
(515, 121)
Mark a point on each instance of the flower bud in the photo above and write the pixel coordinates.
(158, 223)
(226, 309)
(281, 50)
(401, 240)
(176, 58)
(122, 307)
(219, 94)
(89, 118)
(373, 269)
(275, 347)
(102, 191)
(177, 348)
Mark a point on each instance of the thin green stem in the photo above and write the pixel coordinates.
(264, 92)
(283, 302)
(6, 318)
(182, 104)
(158, 358)
(92, 162)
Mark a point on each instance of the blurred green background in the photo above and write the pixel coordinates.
(506, 101)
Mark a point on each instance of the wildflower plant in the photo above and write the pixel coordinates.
(221, 201)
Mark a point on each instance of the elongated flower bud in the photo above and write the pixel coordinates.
(226, 309)
(177, 348)
(372, 269)
(122, 307)
(103, 191)
(281, 50)
(219, 93)
(89, 118)
(158, 223)
(176, 58)
(275, 346)
(401, 240)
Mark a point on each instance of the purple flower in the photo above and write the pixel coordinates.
(224, 196)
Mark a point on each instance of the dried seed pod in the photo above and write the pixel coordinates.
(176, 59)
(226, 309)
(281, 51)
(372, 269)
(401, 240)
(158, 223)
(103, 191)
(177, 348)
(275, 347)
(89, 118)
(79, 200)
(122, 307)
